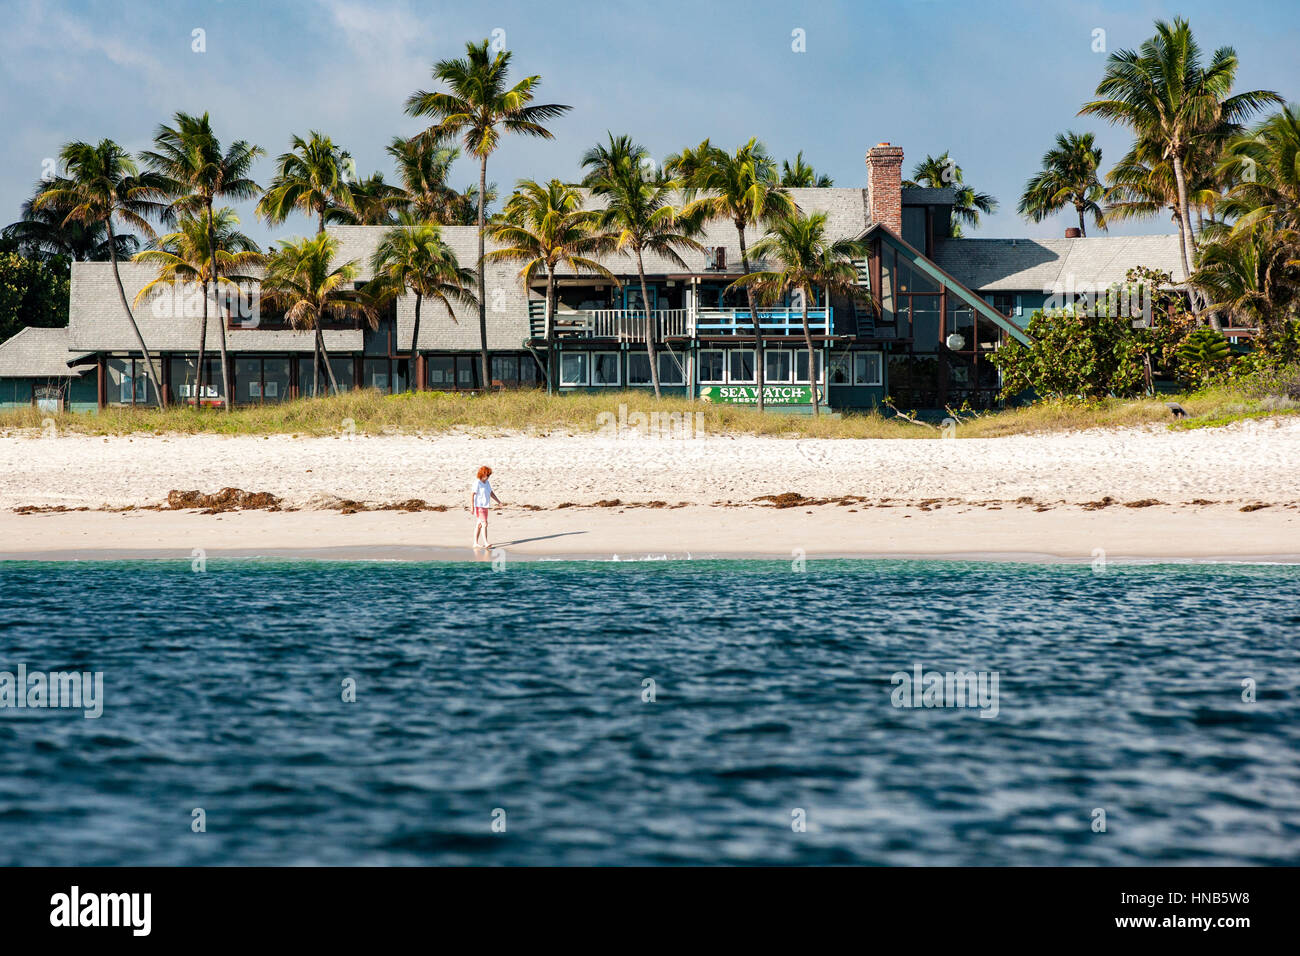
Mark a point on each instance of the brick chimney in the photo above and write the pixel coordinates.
(885, 186)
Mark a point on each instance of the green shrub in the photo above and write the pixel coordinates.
(1073, 355)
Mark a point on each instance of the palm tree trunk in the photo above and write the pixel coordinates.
(414, 370)
(1185, 230)
(325, 359)
(759, 367)
(1083, 231)
(649, 324)
(482, 278)
(150, 372)
(225, 361)
(812, 359)
(197, 391)
(548, 324)
(225, 366)
(315, 367)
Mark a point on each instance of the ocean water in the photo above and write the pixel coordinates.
(505, 717)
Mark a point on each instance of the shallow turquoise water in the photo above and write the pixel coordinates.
(522, 691)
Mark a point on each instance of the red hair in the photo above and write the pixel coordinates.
(484, 472)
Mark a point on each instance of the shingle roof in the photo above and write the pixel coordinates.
(38, 353)
(97, 322)
(1042, 265)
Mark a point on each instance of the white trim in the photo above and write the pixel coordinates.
(880, 365)
(618, 370)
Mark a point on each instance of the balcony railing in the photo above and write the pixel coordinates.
(627, 325)
(770, 321)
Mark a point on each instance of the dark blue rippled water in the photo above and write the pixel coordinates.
(522, 691)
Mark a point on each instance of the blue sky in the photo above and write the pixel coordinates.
(993, 82)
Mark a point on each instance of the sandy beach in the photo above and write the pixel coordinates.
(1145, 493)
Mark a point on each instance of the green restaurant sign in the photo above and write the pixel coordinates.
(748, 394)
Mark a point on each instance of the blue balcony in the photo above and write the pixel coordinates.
(770, 321)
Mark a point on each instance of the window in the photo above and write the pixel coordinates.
(801, 366)
(711, 366)
(183, 386)
(866, 368)
(308, 384)
(638, 368)
(840, 371)
(671, 370)
(441, 371)
(342, 368)
(777, 365)
(573, 368)
(128, 382)
(505, 369)
(248, 380)
(377, 374)
(604, 368)
(467, 370)
(740, 365)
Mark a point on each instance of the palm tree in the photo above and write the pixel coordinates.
(374, 203)
(808, 261)
(311, 178)
(479, 106)
(188, 156)
(1266, 166)
(1249, 276)
(1068, 178)
(545, 227)
(413, 256)
(1170, 101)
(639, 215)
(102, 184)
(207, 258)
(741, 187)
(942, 172)
(423, 170)
(801, 175)
(42, 233)
(301, 279)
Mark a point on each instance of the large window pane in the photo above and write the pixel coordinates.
(841, 374)
(711, 366)
(468, 368)
(505, 369)
(308, 384)
(573, 368)
(740, 365)
(866, 368)
(672, 369)
(801, 366)
(604, 368)
(275, 379)
(343, 367)
(248, 380)
(442, 370)
(638, 368)
(777, 365)
(377, 374)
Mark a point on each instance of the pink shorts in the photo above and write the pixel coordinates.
(480, 514)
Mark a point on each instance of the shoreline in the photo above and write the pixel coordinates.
(1069, 534)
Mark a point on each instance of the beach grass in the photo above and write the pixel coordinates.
(368, 412)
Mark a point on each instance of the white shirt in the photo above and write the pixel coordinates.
(482, 494)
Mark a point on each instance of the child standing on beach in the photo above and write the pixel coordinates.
(481, 499)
